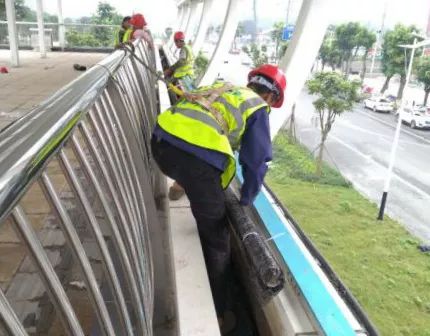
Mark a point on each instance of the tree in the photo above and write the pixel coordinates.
(346, 40)
(258, 56)
(335, 96)
(276, 35)
(105, 14)
(395, 58)
(200, 64)
(239, 32)
(329, 53)
(423, 76)
(365, 39)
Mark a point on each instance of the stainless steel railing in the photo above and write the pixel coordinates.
(76, 196)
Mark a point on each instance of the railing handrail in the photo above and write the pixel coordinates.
(65, 24)
(28, 143)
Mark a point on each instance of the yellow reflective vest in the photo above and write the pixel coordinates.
(127, 35)
(188, 68)
(196, 125)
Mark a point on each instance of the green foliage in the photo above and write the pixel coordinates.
(296, 162)
(257, 55)
(378, 261)
(336, 94)
(348, 37)
(25, 13)
(200, 64)
(329, 53)
(423, 75)
(282, 48)
(276, 35)
(98, 36)
(245, 49)
(77, 39)
(394, 58)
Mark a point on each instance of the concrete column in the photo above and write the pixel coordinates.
(227, 35)
(180, 19)
(61, 28)
(40, 26)
(203, 26)
(12, 32)
(184, 21)
(302, 51)
(189, 27)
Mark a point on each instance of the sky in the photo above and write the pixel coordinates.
(162, 13)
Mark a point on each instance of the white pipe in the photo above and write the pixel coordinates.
(301, 53)
(61, 28)
(203, 26)
(41, 28)
(227, 35)
(396, 138)
(12, 32)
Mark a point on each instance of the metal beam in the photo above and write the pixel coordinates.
(203, 26)
(227, 35)
(61, 27)
(12, 33)
(297, 62)
(41, 28)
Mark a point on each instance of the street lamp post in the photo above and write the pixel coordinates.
(399, 125)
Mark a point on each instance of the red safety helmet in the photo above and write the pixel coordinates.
(276, 75)
(138, 21)
(179, 36)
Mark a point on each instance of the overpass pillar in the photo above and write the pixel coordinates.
(12, 32)
(203, 26)
(311, 25)
(40, 26)
(227, 35)
(61, 27)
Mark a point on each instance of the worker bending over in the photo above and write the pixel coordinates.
(194, 142)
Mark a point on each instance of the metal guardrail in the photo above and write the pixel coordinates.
(76, 180)
(76, 34)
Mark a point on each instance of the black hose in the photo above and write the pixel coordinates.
(270, 276)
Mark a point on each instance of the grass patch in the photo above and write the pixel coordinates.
(378, 261)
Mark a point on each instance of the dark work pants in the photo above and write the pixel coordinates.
(201, 183)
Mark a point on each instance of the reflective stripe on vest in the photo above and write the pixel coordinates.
(196, 125)
(188, 68)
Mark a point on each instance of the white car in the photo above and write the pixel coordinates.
(417, 116)
(379, 104)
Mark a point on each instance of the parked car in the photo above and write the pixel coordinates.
(417, 116)
(379, 104)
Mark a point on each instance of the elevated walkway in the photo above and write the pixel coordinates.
(25, 87)
(89, 243)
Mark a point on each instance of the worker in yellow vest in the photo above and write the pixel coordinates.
(194, 142)
(121, 33)
(183, 69)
